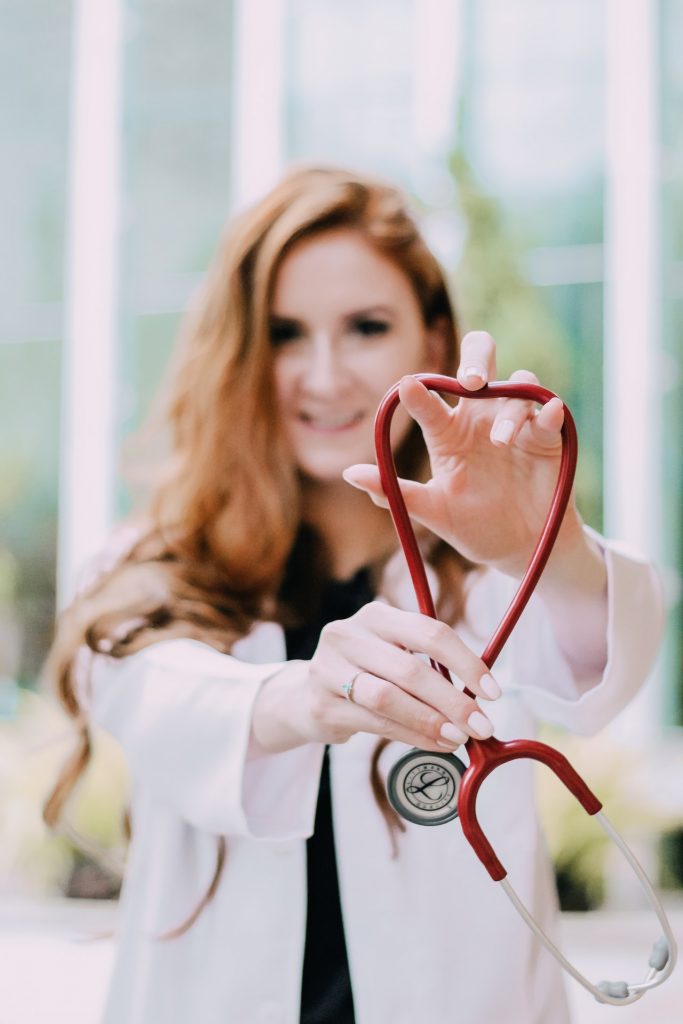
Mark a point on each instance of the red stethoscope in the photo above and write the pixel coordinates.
(431, 789)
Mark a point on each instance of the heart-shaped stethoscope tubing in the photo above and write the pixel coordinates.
(429, 788)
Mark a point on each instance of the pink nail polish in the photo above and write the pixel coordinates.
(480, 724)
(490, 687)
(451, 733)
(503, 431)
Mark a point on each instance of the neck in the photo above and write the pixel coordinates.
(355, 532)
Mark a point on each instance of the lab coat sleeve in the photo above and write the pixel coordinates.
(634, 630)
(182, 713)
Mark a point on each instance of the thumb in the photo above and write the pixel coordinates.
(417, 496)
(366, 478)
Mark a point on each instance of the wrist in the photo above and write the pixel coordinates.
(576, 564)
(279, 713)
(574, 592)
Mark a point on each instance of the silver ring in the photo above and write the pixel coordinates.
(348, 687)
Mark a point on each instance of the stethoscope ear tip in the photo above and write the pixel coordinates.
(615, 989)
(659, 957)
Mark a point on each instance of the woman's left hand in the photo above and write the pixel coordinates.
(494, 466)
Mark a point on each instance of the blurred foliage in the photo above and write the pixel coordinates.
(10, 630)
(494, 293)
(33, 748)
(671, 848)
(622, 778)
(8, 577)
(29, 463)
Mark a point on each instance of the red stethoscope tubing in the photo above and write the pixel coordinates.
(486, 755)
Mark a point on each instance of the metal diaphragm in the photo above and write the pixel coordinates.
(423, 787)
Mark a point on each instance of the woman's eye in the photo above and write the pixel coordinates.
(369, 326)
(282, 331)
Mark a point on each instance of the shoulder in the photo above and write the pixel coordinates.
(120, 541)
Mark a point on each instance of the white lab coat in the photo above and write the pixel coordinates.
(430, 938)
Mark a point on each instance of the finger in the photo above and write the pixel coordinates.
(544, 430)
(395, 707)
(354, 717)
(477, 360)
(365, 477)
(546, 427)
(419, 499)
(413, 674)
(513, 413)
(416, 632)
(403, 696)
(427, 408)
(414, 678)
(402, 676)
(510, 419)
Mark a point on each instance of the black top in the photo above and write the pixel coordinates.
(326, 996)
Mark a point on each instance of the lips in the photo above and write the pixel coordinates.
(331, 424)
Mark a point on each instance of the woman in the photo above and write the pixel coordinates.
(258, 590)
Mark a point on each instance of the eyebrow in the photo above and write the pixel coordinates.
(368, 311)
(280, 318)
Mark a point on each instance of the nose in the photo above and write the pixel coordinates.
(324, 371)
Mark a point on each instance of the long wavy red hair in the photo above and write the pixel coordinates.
(201, 566)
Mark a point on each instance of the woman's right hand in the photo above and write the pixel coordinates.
(396, 694)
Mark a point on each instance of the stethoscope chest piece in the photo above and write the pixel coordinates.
(423, 787)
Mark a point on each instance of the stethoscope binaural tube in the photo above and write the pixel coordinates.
(432, 789)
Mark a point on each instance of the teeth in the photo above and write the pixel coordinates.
(332, 422)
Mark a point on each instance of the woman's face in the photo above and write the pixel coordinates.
(345, 326)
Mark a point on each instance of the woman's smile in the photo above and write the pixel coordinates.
(345, 325)
(335, 423)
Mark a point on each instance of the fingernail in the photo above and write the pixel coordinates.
(474, 371)
(452, 733)
(480, 724)
(350, 480)
(503, 431)
(490, 687)
(448, 745)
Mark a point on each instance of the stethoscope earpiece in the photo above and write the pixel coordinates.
(423, 787)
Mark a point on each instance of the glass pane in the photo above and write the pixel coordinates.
(532, 140)
(35, 44)
(176, 158)
(672, 308)
(349, 85)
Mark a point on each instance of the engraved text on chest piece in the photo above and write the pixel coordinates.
(429, 786)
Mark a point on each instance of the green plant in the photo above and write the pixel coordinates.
(32, 749)
(578, 846)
